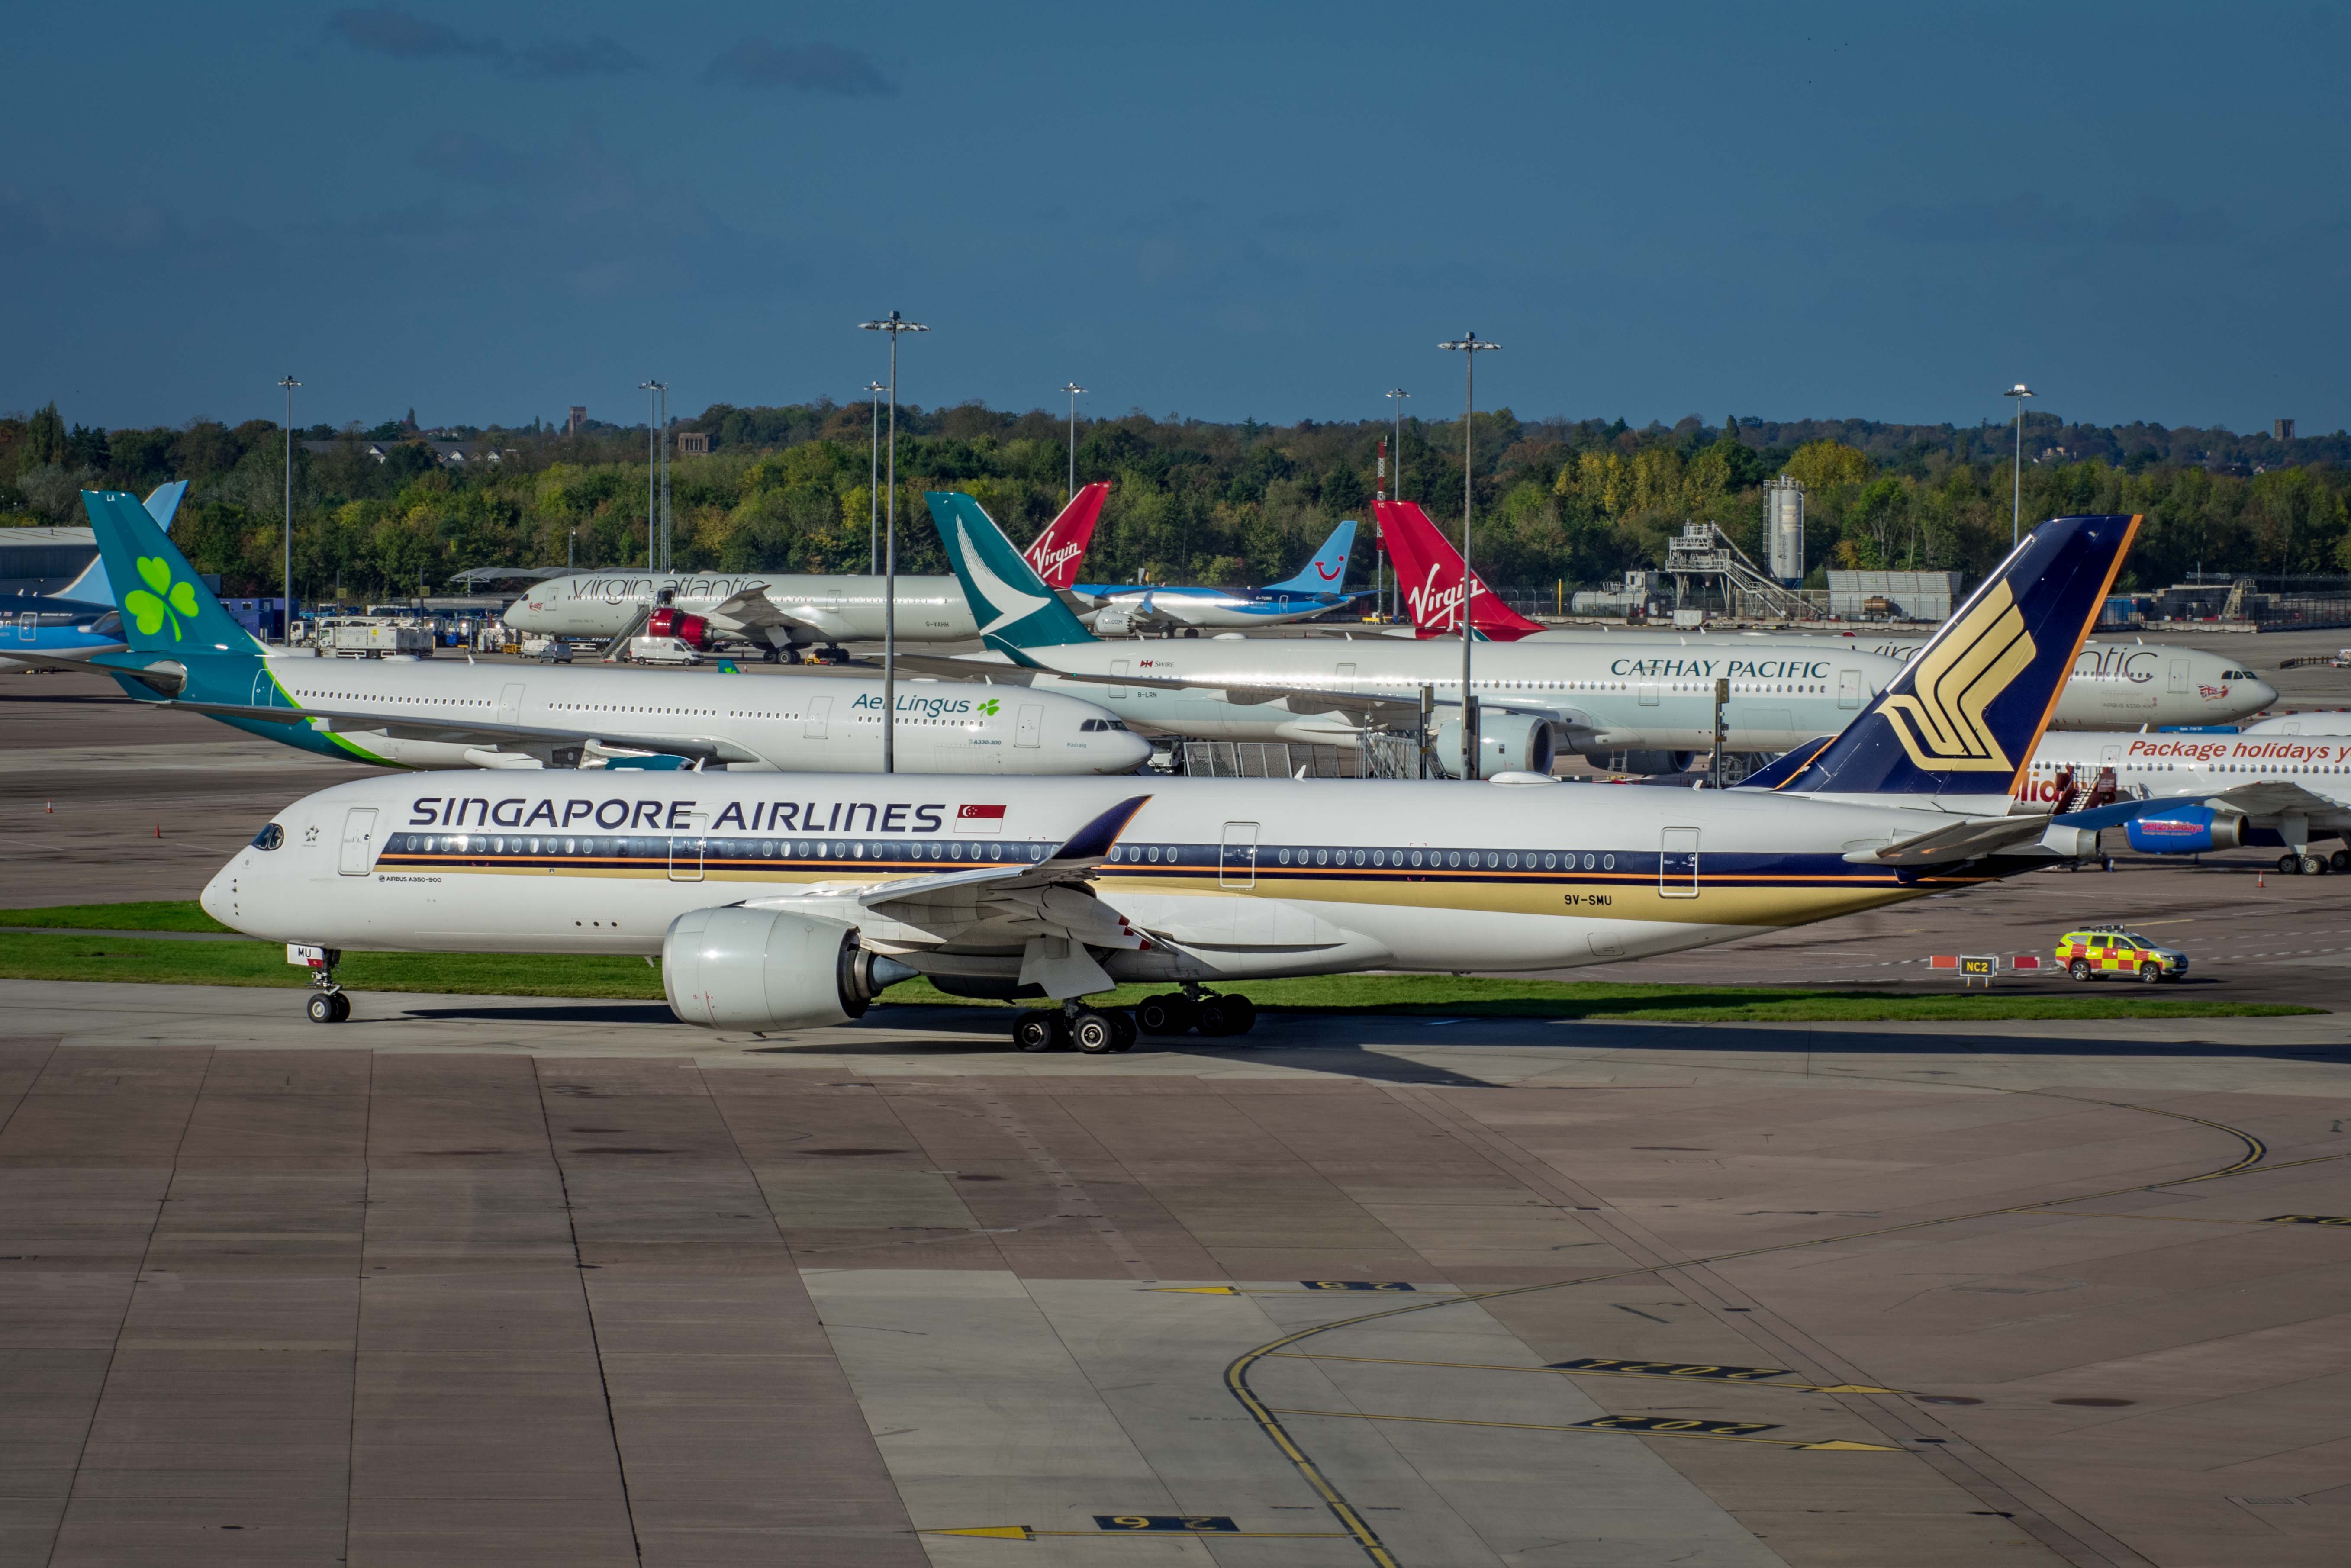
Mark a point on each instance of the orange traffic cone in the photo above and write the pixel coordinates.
(159, 830)
(50, 808)
(2262, 881)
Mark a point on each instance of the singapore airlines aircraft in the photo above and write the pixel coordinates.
(789, 612)
(186, 651)
(1599, 699)
(782, 903)
(2112, 684)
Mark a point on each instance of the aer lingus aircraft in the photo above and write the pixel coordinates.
(791, 611)
(783, 902)
(1597, 700)
(186, 651)
(2114, 683)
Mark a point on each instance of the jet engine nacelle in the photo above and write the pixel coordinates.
(1506, 743)
(1117, 620)
(770, 969)
(2186, 831)
(1646, 761)
(692, 631)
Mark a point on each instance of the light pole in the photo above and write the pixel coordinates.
(1395, 481)
(653, 471)
(1073, 389)
(893, 325)
(2020, 392)
(572, 550)
(286, 630)
(874, 489)
(1469, 344)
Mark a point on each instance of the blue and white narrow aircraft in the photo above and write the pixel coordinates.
(784, 903)
(79, 619)
(186, 651)
(1119, 608)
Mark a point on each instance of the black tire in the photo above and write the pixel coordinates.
(1125, 1023)
(342, 1007)
(2312, 865)
(322, 1008)
(2149, 974)
(1170, 1014)
(1036, 1031)
(1240, 1013)
(1216, 1017)
(2340, 861)
(2288, 865)
(2079, 968)
(1093, 1032)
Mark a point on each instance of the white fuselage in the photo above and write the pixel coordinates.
(2322, 721)
(1630, 698)
(2195, 767)
(1238, 877)
(2118, 686)
(816, 609)
(813, 724)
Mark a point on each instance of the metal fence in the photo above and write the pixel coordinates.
(1378, 756)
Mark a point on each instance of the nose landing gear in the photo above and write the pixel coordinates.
(328, 1003)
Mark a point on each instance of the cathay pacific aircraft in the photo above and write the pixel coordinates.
(2114, 683)
(795, 612)
(782, 903)
(1597, 700)
(186, 651)
(1319, 589)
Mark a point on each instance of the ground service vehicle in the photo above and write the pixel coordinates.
(2097, 950)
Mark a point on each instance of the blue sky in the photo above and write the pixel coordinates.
(490, 211)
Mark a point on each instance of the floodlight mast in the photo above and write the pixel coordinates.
(286, 624)
(1469, 345)
(1073, 389)
(873, 487)
(652, 389)
(892, 324)
(1395, 479)
(2020, 392)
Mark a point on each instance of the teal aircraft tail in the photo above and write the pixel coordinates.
(93, 586)
(1010, 602)
(166, 608)
(1327, 573)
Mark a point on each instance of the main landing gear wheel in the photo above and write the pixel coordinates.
(2339, 861)
(1094, 1032)
(1170, 1014)
(2079, 968)
(2288, 865)
(1123, 1021)
(2311, 865)
(1222, 1016)
(1036, 1031)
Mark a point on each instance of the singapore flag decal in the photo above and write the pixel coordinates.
(979, 821)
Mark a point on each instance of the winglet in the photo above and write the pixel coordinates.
(1092, 844)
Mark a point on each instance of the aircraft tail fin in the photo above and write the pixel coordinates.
(93, 586)
(1430, 569)
(1010, 602)
(1963, 717)
(1057, 552)
(165, 605)
(1327, 573)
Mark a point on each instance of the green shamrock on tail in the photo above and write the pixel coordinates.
(990, 707)
(148, 610)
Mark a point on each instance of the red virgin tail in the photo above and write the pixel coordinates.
(1430, 571)
(1061, 548)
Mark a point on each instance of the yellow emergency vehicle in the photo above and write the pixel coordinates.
(2117, 950)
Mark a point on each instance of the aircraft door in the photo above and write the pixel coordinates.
(2179, 677)
(1848, 688)
(1117, 667)
(819, 710)
(358, 854)
(1237, 857)
(26, 623)
(685, 858)
(1346, 676)
(1678, 863)
(1031, 726)
(511, 703)
(2110, 757)
(1649, 694)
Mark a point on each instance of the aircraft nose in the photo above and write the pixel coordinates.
(2261, 693)
(1126, 751)
(215, 900)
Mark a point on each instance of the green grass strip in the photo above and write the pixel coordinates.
(39, 957)
(155, 914)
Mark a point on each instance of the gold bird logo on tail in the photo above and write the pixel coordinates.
(1940, 720)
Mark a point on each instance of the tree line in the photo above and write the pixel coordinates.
(378, 514)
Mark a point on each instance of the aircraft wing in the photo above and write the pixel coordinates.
(1963, 839)
(2273, 798)
(474, 732)
(750, 608)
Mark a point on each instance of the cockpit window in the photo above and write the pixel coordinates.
(269, 838)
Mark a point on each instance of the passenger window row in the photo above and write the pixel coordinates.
(641, 847)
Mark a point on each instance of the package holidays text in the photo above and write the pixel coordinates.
(677, 816)
(2220, 750)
